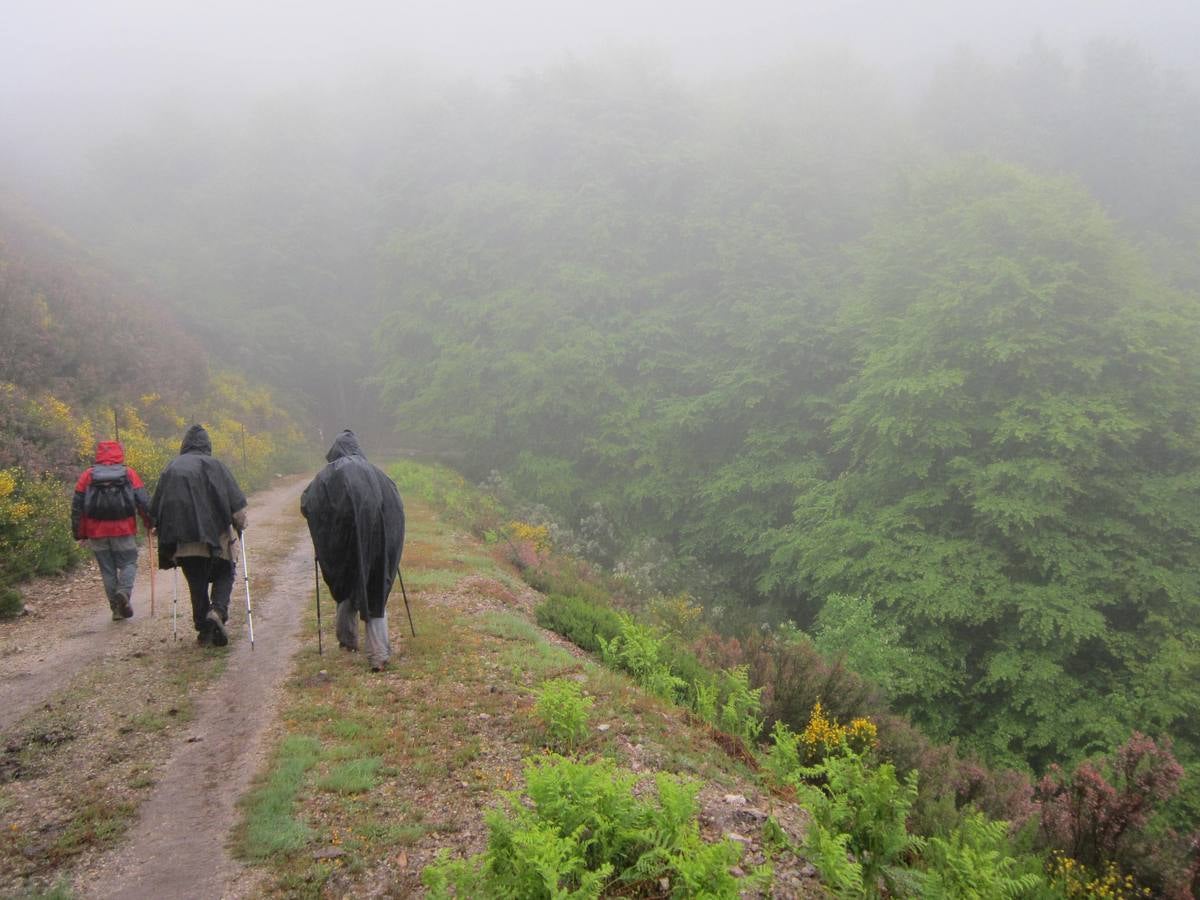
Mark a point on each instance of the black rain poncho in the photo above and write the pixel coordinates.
(356, 520)
(195, 499)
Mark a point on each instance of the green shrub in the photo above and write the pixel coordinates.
(567, 577)
(564, 711)
(704, 701)
(741, 713)
(449, 493)
(10, 602)
(868, 805)
(584, 624)
(639, 650)
(783, 759)
(35, 528)
(580, 831)
(976, 862)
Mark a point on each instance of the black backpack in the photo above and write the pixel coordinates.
(109, 497)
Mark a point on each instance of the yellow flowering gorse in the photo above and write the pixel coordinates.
(824, 735)
(1077, 881)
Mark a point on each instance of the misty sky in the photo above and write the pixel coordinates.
(73, 47)
(70, 69)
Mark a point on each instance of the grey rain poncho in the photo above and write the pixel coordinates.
(356, 520)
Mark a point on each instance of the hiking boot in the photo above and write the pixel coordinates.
(123, 606)
(204, 638)
(117, 617)
(219, 636)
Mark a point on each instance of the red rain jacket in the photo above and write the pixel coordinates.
(108, 453)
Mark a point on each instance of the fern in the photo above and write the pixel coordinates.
(829, 852)
(974, 862)
(869, 807)
(579, 829)
(563, 710)
(783, 759)
(704, 701)
(743, 704)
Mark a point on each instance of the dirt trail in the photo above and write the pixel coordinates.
(177, 847)
(42, 652)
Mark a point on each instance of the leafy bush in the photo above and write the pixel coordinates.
(976, 862)
(35, 531)
(585, 624)
(527, 546)
(793, 674)
(568, 577)
(580, 829)
(10, 602)
(678, 615)
(563, 710)
(869, 806)
(449, 493)
(740, 713)
(638, 650)
(1075, 881)
(1095, 813)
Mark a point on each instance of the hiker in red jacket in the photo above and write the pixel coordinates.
(107, 497)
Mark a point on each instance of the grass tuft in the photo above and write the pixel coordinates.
(269, 826)
(355, 776)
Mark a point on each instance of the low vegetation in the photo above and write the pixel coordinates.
(912, 815)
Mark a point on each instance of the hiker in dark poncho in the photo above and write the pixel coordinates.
(200, 511)
(356, 520)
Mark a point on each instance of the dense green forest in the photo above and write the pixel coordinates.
(916, 372)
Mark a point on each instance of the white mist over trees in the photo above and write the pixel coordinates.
(908, 323)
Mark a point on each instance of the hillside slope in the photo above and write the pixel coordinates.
(84, 356)
(374, 775)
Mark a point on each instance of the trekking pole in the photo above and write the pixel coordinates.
(317, 582)
(153, 566)
(404, 594)
(246, 579)
(175, 603)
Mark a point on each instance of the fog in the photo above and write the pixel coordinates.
(264, 160)
(74, 67)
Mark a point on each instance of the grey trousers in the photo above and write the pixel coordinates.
(117, 558)
(379, 649)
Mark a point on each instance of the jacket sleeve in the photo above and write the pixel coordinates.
(141, 498)
(77, 504)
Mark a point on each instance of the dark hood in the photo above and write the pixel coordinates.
(110, 453)
(196, 440)
(195, 498)
(345, 444)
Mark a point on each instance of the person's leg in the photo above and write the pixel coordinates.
(126, 562)
(108, 574)
(347, 625)
(195, 570)
(223, 573)
(379, 650)
(222, 589)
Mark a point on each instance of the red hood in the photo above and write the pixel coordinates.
(110, 453)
